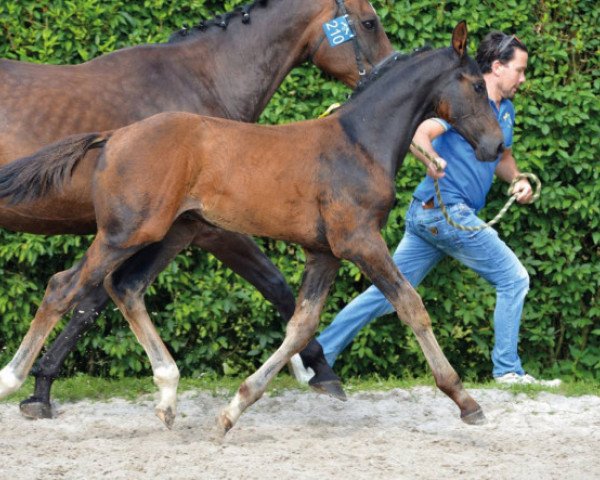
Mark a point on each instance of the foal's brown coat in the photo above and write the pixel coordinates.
(229, 73)
(326, 184)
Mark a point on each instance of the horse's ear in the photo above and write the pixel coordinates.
(459, 38)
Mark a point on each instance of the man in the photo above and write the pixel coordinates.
(429, 238)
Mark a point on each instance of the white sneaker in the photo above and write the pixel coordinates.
(526, 379)
(302, 374)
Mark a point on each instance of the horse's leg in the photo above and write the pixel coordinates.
(47, 369)
(318, 276)
(166, 374)
(142, 268)
(241, 254)
(372, 257)
(64, 290)
(126, 287)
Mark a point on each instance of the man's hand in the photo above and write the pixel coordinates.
(434, 172)
(523, 191)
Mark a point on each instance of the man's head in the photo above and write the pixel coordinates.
(502, 59)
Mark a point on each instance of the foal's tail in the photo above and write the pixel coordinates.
(33, 177)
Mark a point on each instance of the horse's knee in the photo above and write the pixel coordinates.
(448, 382)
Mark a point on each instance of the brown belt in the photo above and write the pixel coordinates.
(428, 205)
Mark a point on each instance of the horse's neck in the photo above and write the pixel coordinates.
(384, 118)
(247, 63)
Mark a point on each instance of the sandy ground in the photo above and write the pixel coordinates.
(400, 434)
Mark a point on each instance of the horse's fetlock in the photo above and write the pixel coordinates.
(448, 383)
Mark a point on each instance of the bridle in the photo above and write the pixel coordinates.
(341, 10)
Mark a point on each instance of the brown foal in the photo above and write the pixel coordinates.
(228, 67)
(326, 184)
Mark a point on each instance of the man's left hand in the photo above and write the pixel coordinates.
(523, 190)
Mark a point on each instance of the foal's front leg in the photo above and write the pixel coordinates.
(373, 258)
(319, 274)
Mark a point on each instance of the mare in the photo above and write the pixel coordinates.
(331, 193)
(228, 67)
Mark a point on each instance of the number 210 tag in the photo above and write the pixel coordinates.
(338, 31)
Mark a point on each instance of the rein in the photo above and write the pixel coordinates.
(503, 210)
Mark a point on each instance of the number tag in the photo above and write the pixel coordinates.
(338, 31)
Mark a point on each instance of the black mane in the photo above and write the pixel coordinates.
(221, 21)
(385, 66)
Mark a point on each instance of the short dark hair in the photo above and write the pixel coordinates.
(497, 46)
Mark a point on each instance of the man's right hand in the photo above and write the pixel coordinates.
(437, 171)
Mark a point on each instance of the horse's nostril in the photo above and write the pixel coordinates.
(500, 148)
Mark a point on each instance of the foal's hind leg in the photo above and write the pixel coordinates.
(373, 258)
(126, 287)
(141, 270)
(318, 276)
(166, 373)
(63, 291)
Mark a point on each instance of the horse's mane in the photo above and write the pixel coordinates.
(385, 66)
(221, 21)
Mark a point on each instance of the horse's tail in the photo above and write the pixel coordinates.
(33, 177)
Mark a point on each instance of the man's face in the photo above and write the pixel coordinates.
(512, 74)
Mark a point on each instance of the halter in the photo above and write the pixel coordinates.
(341, 8)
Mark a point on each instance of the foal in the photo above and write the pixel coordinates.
(223, 68)
(325, 184)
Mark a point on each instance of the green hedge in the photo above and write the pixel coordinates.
(213, 321)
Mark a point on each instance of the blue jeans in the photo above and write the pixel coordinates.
(429, 238)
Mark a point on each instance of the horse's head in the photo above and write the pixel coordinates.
(462, 101)
(350, 60)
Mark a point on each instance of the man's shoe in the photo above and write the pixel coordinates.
(526, 379)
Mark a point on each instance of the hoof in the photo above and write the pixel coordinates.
(222, 426)
(333, 388)
(36, 409)
(167, 416)
(474, 418)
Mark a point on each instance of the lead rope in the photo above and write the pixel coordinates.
(438, 193)
(503, 210)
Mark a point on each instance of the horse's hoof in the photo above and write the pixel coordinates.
(36, 409)
(167, 416)
(223, 425)
(474, 418)
(333, 388)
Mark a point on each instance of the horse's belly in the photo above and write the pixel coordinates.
(262, 221)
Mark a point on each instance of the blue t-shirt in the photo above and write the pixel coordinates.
(467, 179)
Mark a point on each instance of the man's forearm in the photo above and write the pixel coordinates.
(507, 167)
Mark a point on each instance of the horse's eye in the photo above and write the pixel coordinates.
(479, 87)
(369, 24)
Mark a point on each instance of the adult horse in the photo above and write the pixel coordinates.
(331, 193)
(220, 68)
